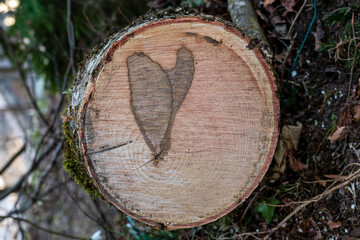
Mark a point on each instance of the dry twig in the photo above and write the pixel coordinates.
(317, 198)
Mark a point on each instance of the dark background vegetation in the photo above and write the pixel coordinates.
(314, 193)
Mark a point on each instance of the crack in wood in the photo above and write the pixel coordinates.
(107, 148)
(211, 40)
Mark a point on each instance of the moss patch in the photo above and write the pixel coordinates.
(73, 163)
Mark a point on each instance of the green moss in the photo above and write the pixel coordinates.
(73, 163)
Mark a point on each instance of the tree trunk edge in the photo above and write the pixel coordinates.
(94, 62)
(244, 18)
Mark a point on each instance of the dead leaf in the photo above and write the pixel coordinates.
(295, 164)
(289, 4)
(289, 140)
(280, 164)
(261, 15)
(336, 135)
(320, 181)
(318, 235)
(357, 112)
(267, 2)
(318, 34)
(355, 232)
(332, 225)
(291, 135)
(345, 118)
(157, 4)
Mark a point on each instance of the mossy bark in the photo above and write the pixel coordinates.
(73, 162)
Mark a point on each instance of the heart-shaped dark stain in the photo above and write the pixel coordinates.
(157, 94)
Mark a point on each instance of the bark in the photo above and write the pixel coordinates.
(243, 16)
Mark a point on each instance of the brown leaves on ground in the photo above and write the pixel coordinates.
(357, 104)
(336, 135)
(355, 232)
(267, 2)
(320, 181)
(289, 4)
(291, 135)
(319, 34)
(288, 143)
(271, 15)
(345, 120)
(295, 164)
(357, 112)
(332, 225)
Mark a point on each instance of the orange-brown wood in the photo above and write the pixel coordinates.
(178, 120)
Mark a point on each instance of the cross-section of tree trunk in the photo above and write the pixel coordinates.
(176, 119)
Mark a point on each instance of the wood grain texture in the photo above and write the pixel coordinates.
(190, 92)
(156, 96)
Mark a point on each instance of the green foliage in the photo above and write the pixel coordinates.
(288, 188)
(340, 16)
(290, 103)
(142, 234)
(333, 125)
(40, 33)
(327, 46)
(345, 49)
(267, 211)
(73, 164)
(192, 3)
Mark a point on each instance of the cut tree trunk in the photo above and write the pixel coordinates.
(176, 119)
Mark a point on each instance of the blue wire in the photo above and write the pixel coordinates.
(303, 43)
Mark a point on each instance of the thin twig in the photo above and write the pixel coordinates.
(22, 75)
(34, 165)
(314, 199)
(76, 201)
(249, 205)
(13, 158)
(70, 35)
(42, 228)
(292, 42)
(354, 60)
(42, 178)
(106, 224)
(327, 192)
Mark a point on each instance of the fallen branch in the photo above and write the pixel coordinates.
(22, 75)
(243, 16)
(304, 204)
(292, 43)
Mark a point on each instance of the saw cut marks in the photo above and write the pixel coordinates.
(156, 96)
(178, 121)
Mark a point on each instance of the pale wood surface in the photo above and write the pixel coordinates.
(180, 124)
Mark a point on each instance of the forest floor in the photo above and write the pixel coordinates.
(320, 108)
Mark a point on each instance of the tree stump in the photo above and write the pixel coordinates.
(176, 119)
